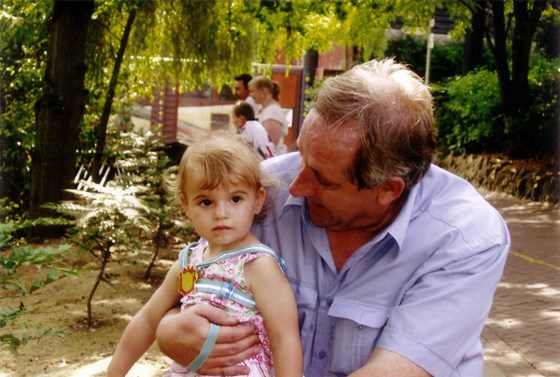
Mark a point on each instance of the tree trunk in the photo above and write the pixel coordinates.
(500, 55)
(101, 131)
(474, 38)
(525, 27)
(59, 111)
(526, 22)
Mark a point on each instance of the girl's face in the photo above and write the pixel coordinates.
(258, 94)
(222, 215)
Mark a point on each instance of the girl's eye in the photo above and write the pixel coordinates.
(236, 199)
(205, 203)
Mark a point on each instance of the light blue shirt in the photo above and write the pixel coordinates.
(422, 288)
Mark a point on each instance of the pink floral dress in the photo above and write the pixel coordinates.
(227, 271)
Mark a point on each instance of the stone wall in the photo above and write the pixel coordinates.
(501, 175)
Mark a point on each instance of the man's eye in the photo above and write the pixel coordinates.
(325, 183)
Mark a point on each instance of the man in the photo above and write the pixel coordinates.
(242, 92)
(394, 262)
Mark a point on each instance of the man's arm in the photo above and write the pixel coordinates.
(180, 335)
(384, 363)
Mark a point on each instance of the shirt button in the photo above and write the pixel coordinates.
(322, 355)
(360, 327)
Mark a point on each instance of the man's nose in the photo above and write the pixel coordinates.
(302, 185)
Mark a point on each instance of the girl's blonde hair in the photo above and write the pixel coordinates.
(224, 158)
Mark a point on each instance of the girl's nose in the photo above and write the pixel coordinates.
(220, 211)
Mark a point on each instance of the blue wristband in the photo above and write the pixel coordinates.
(206, 348)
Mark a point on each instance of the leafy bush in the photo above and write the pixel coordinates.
(446, 58)
(143, 162)
(469, 119)
(468, 113)
(107, 222)
(536, 132)
(14, 256)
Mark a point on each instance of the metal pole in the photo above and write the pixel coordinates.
(429, 48)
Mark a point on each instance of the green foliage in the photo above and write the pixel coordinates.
(469, 118)
(111, 218)
(23, 36)
(11, 342)
(107, 221)
(49, 266)
(535, 133)
(310, 95)
(143, 162)
(468, 113)
(446, 58)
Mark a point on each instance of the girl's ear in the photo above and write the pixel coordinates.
(259, 202)
(185, 204)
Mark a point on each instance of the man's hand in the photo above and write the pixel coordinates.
(180, 335)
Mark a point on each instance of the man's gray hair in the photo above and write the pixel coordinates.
(391, 109)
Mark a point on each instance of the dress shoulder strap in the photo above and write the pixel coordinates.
(253, 249)
(184, 254)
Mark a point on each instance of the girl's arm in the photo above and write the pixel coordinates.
(275, 301)
(140, 332)
(274, 129)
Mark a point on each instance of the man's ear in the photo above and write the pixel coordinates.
(390, 191)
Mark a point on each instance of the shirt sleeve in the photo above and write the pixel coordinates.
(438, 322)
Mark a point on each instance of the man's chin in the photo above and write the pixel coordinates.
(319, 221)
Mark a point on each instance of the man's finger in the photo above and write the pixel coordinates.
(216, 365)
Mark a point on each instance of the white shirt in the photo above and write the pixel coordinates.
(251, 101)
(257, 136)
(274, 111)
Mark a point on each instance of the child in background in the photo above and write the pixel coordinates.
(243, 117)
(223, 191)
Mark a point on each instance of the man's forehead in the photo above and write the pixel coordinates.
(314, 127)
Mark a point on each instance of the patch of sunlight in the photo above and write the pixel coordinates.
(165, 262)
(128, 301)
(143, 286)
(124, 317)
(504, 323)
(541, 289)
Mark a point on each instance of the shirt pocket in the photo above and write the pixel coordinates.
(357, 325)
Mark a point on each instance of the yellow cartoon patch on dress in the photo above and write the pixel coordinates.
(187, 278)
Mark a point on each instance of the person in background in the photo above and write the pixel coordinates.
(242, 92)
(266, 93)
(222, 190)
(243, 118)
(394, 261)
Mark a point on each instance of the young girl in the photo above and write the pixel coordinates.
(222, 191)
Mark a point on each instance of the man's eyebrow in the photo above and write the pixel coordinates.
(322, 179)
